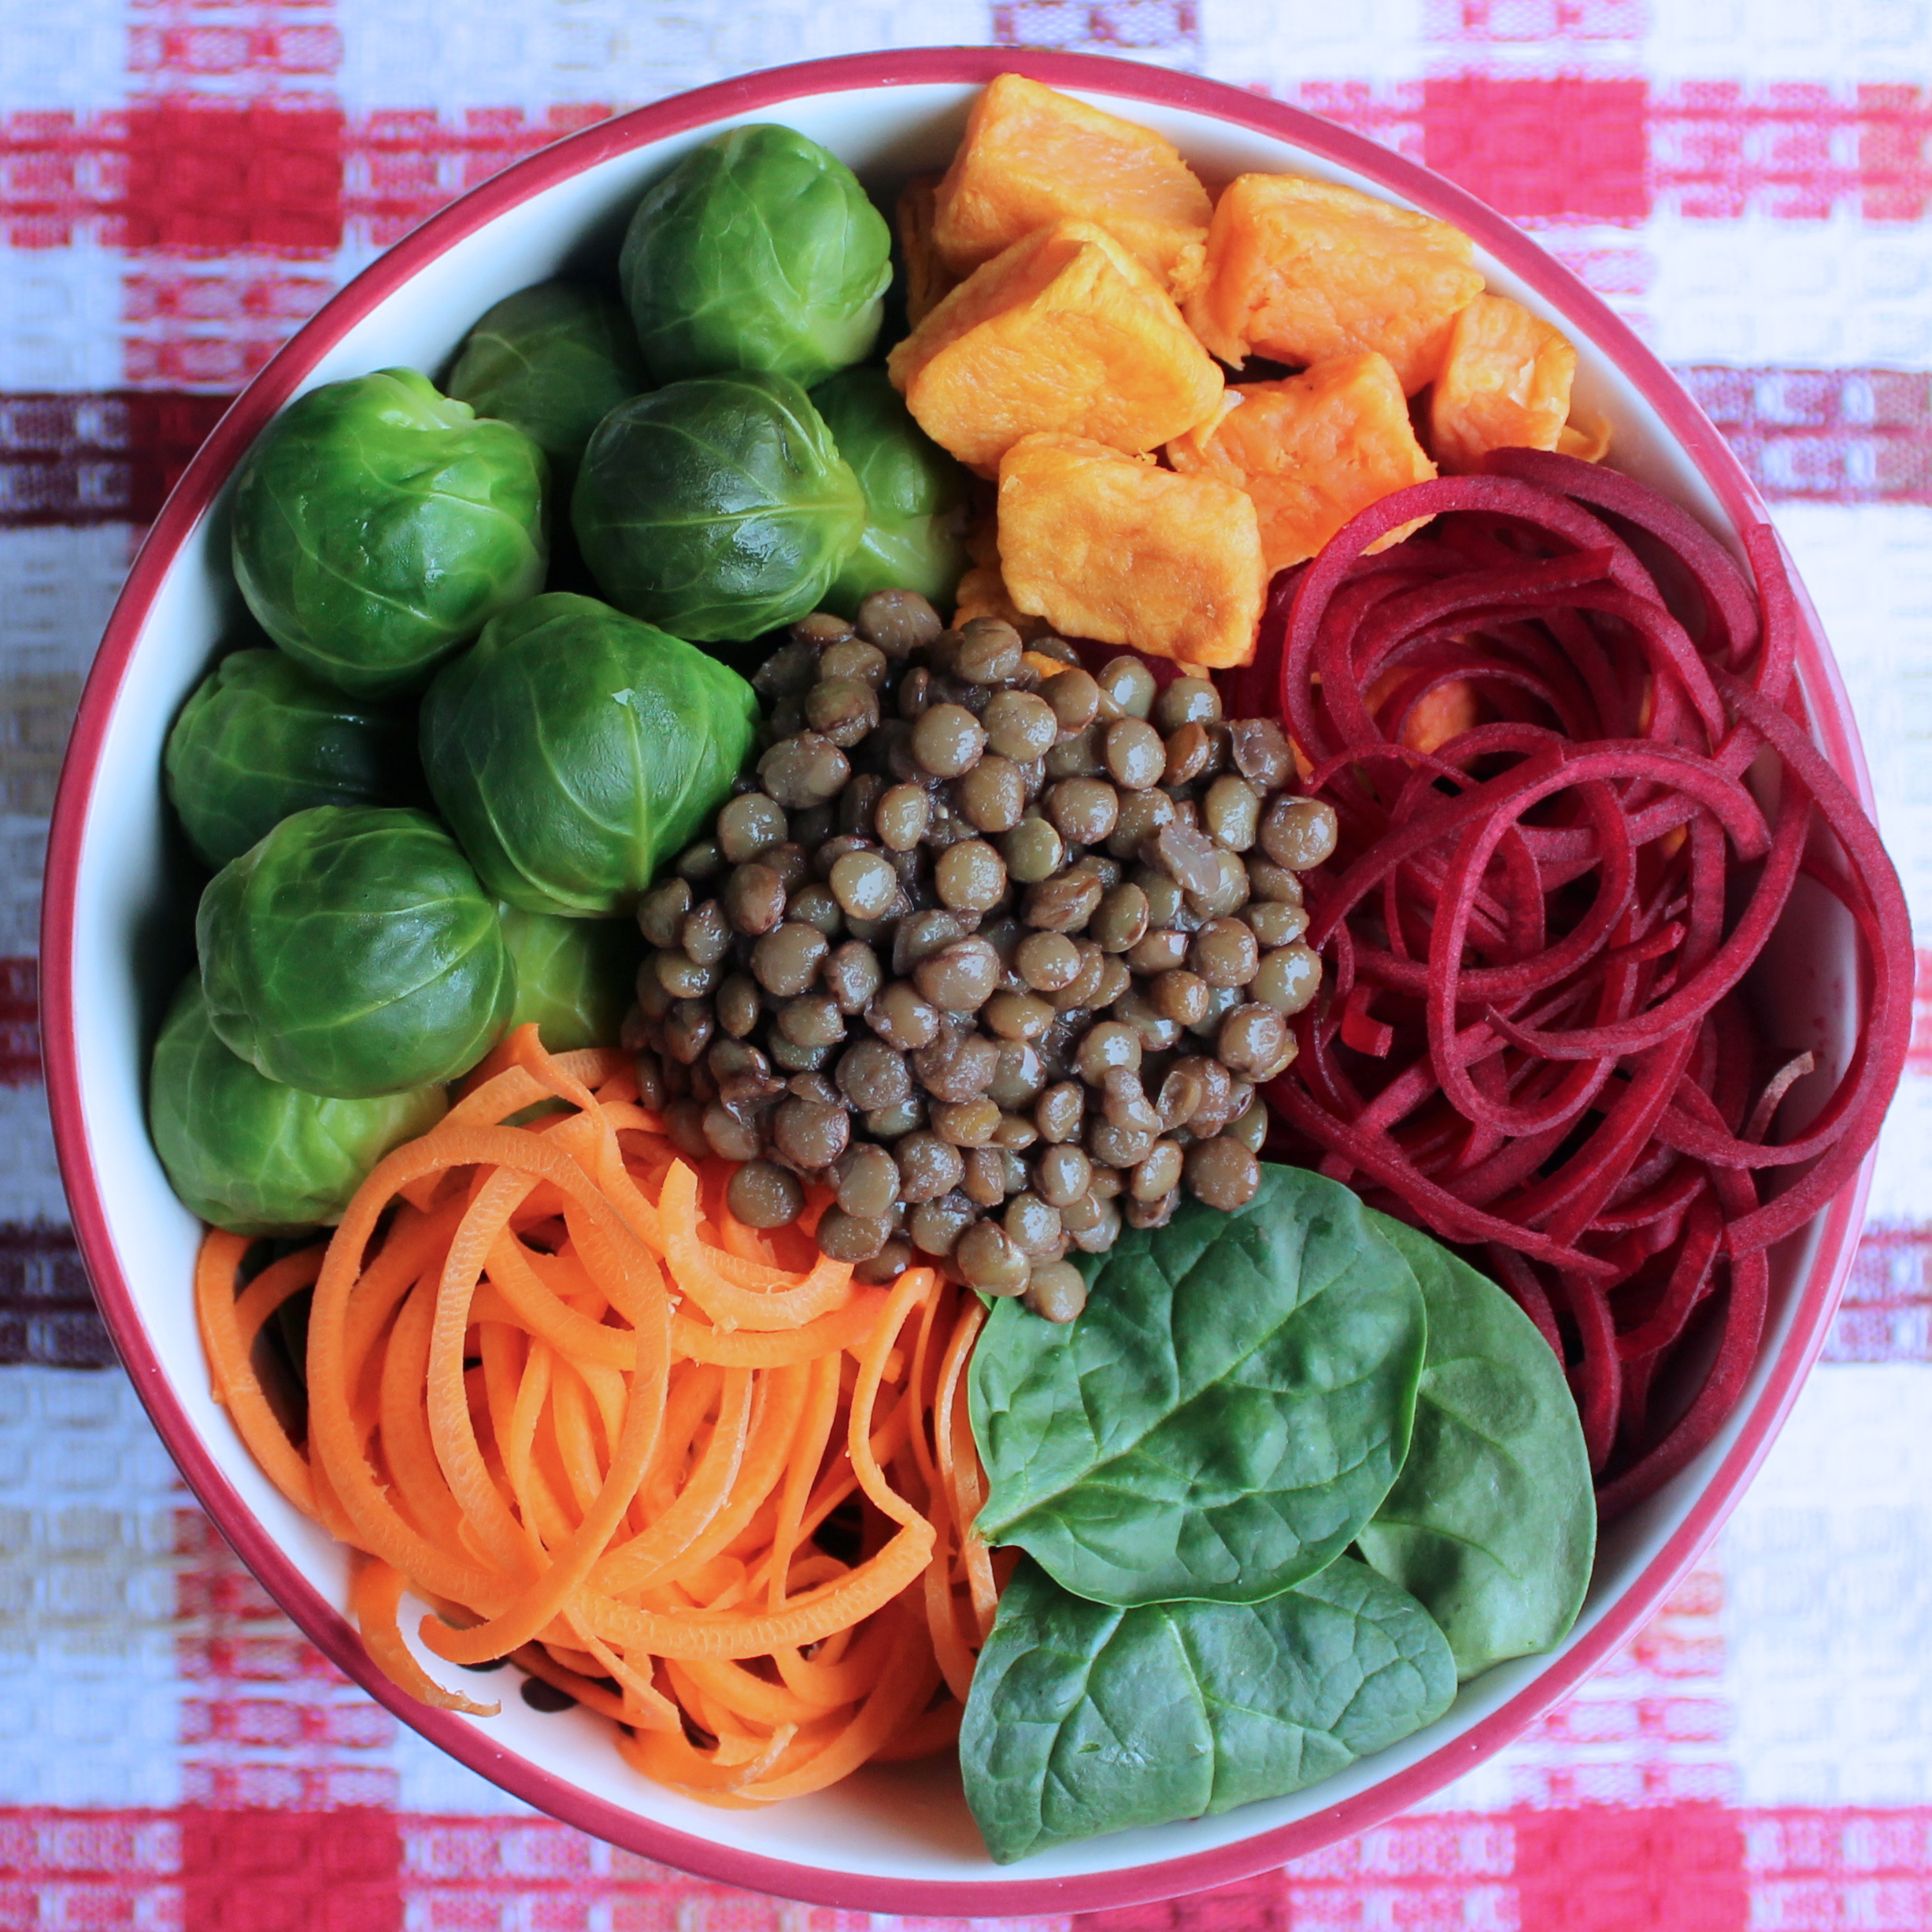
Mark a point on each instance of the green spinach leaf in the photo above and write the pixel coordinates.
(1225, 1416)
(1085, 1719)
(1493, 1522)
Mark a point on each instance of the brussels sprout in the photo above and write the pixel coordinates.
(574, 749)
(351, 951)
(718, 508)
(573, 976)
(914, 495)
(260, 738)
(378, 526)
(255, 1157)
(555, 360)
(758, 250)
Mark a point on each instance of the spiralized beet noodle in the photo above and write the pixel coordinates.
(1532, 1040)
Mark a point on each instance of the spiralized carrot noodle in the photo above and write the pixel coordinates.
(691, 1475)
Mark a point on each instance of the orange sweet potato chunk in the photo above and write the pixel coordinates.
(1312, 450)
(1065, 331)
(1586, 438)
(1504, 384)
(1032, 156)
(1298, 270)
(1107, 547)
(982, 592)
(928, 278)
(1451, 708)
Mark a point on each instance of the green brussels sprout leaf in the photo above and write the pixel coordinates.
(573, 976)
(574, 749)
(758, 250)
(352, 953)
(555, 360)
(259, 738)
(378, 526)
(718, 508)
(251, 1154)
(915, 495)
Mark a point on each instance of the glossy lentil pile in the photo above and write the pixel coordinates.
(997, 949)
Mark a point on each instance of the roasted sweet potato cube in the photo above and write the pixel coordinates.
(1106, 547)
(1504, 384)
(1300, 270)
(1065, 331)
(1586, 438)
(982, 592)
(1312, 450)
(1032, 156)
(1444, 710)
(928, 278)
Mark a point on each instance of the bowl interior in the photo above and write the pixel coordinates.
(132, 909)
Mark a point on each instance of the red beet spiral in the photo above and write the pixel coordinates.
(1532, 1040)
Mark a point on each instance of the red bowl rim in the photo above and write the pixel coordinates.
(1839, 1224)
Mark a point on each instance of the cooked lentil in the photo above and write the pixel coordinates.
(997, 951)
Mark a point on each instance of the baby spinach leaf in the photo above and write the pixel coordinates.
(1085, 1719)
(1493, 1522)
(1224, 1417)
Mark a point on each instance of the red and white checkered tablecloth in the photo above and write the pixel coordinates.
(182, 181)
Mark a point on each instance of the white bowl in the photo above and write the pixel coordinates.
(116, 938)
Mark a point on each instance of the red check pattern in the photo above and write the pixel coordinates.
(182, 182)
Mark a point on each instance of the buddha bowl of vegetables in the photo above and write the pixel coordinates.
(1129, 1586)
